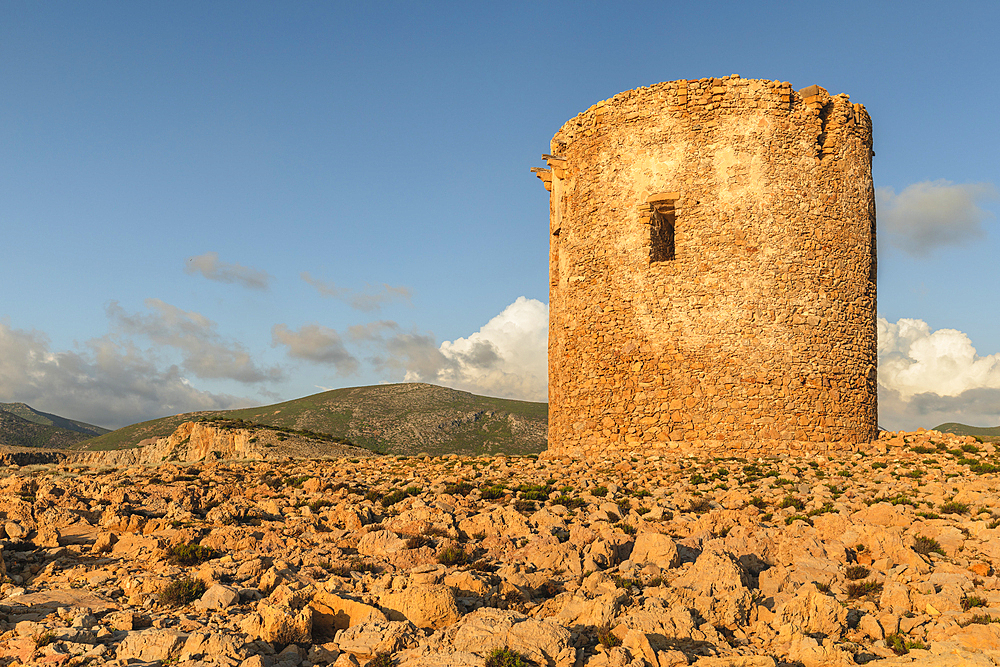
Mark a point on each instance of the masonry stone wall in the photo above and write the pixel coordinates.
(712, 271)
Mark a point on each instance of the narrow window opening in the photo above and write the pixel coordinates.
(661, 233)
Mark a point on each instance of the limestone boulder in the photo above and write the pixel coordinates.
(657, 549)
(811, 612)
(374, 636)
(380, 543)
(332, 612)
(217, 597)
(151, 645)
(718, 587)
(425, 605)
(542, 641)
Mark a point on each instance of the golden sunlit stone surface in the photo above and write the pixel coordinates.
(712, 271)
(633, 560)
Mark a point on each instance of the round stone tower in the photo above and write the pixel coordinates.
(712, 271)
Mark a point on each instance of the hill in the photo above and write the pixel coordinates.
(16, 431)
(25, 411)
(985, 433)
(394, 418)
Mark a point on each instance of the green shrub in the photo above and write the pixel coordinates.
(792, 501)
(182, 591)
(316, 505)
(625, 582)
(297, 482)
(458, 489)
(982, 619)
(972, 601)
(857, 589)
(698, 479)
(524, 506)
(599, 491)
(399, 495)
(625, 528)
(505, 657)
(606, 638)
(535, 491)
(453, 556)
(492, 492)
(381, 660)
(568, 502)
(895, 642)
(901, 646)
(855, 572)
(190, 554)
(825, 509)
(954, 508)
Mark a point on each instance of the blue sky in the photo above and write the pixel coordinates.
(205, 205)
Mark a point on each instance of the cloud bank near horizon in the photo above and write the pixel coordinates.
(925, 377)
(930, 377)
(109, 383)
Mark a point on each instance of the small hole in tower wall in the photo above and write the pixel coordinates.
(661, 235)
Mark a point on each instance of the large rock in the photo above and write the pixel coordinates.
(542, 641)
(151, 645)
(580, 612)
(657, 549)
(546, 552)
(377, 636)
(665, 623)
(279, 624)
(332, 612)
(501, 522)
(217, 597)
(811, 612)
(719, 588)
(424, 605)
(380, 543)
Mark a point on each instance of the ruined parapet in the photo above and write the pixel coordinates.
(712, 271)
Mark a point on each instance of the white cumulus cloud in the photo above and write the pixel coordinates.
(507, 357)
(929, 377)
(928, 215)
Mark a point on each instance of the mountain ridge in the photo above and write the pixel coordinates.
(16, 431)
(406, 418)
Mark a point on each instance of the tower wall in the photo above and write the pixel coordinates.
(712, 271)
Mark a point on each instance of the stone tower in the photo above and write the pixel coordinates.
(712, 271)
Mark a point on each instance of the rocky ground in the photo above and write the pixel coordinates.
(886, 555)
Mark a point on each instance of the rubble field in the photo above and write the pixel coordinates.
(887, 554)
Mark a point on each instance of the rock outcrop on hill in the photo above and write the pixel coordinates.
(887, 555)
